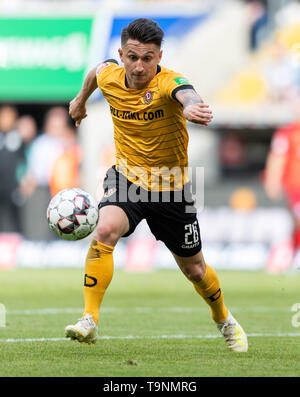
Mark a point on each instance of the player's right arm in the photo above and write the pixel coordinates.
(93, 80)
(77, 108)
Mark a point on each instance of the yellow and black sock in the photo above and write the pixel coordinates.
(99, 269)
(210, 290)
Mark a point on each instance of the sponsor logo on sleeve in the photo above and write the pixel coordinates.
(181, 80)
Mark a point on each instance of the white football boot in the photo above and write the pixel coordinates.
(234, 335)
(85, 330)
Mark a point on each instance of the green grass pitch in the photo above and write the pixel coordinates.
(152, 324)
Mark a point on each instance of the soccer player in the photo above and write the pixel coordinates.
(282, 176)
(149, 105)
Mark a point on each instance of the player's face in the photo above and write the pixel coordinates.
(140, 62)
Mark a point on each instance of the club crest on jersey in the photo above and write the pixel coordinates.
(148, 97)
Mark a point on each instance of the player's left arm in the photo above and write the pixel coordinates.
(194, 109)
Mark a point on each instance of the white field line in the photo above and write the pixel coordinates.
(257, 309)
(132, 337)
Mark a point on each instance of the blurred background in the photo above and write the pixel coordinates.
(242, 57)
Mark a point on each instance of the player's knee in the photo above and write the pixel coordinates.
(107, 233)
(195, 273)
(195, 276)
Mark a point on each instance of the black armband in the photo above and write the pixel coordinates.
(181, 87)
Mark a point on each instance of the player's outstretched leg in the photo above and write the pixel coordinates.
(99, 268)
(207, 284)
(210, 289)
(98, 274)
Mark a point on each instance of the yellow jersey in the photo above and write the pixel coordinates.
(150, 131)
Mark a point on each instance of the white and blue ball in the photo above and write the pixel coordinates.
(72, 214)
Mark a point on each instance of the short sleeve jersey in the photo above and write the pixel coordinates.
(286, 142)
(149, 129)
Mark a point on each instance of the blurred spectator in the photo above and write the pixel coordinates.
(44, 157)
(233, 153)
(45, 149)
(282, 174)
(27, 129)
(258, 15)
(65, 171)
(281, 74)
(11, 155)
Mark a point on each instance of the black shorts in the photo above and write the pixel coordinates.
(171, 216)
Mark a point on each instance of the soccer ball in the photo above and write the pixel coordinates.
(72, 214)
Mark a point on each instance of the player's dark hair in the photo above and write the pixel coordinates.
(143, 30)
